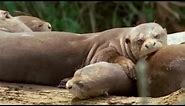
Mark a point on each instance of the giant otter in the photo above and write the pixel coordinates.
(99, 79)
(48, 57)
(166, 70)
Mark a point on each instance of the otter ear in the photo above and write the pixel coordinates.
(165, 30)
(127, 40)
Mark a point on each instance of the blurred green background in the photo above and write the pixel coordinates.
(93, 16)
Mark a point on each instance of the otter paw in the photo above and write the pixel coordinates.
(131, 69)
(98, 58)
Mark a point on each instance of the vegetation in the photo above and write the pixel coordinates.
(92, 16)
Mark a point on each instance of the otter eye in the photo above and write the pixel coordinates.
(80, 84)
(157, 36)
(140, 41)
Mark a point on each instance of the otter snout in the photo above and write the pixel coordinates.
(150, 44)
(69, 85)
(49, 26)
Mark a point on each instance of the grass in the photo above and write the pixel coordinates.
(82, 17)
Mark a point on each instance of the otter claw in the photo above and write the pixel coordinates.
(131, 71)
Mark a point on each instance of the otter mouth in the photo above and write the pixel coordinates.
(150, 54)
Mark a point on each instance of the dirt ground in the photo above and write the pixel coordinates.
(13, 93)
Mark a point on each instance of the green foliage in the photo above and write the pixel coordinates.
(81, 17)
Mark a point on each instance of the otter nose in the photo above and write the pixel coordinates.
(150, 44)
(49, 26)
(146, 45)
(68, 85)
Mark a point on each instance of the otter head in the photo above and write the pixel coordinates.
(11, 24)
(4, 14)
(83, 85)
(77, 86)
(145, 39)
(39, 25)
(34, 23)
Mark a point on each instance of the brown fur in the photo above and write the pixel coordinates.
(166, 70)
(99, 79)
